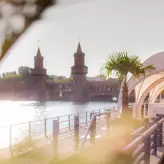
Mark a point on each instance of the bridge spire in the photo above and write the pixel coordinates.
(79, 50)
(38, 52)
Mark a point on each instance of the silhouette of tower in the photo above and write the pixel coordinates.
(39, 75)
(79, 70)
(38, 64)
(39, 72)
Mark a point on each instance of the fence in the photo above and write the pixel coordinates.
(92, 126)
(146, 144)
(65, 133)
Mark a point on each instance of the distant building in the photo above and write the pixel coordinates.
(77, 88)
(90, 88)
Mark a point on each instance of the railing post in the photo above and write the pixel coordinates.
(93, 130)
(56, 138)
(10, 133)
(147, 150)
(86, 117)
(69, 121)
(91, 115)
(45, 128)
(108, 116)
(155, 138)
(155, 142)
(29, 128)
(76, 132)
(160, 131)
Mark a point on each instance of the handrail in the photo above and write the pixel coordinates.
(89, 127)
(40, 120)
(141, 137)
(146, 144)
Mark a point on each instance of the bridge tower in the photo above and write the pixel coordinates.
(79, 72)
(38, 74)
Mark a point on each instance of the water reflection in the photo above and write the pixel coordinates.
(40, 110)
(19, 112)
(80, 107)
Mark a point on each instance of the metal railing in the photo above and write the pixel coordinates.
(92, 126)
(146, 144)
(65, 133)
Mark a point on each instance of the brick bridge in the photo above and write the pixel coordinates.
(78, 89)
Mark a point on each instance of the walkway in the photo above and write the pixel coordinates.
(65, 139)
(66, 134)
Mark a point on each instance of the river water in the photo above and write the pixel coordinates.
(13, 112)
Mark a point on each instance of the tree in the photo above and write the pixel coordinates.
(12, 77)
(24, 71)
(61, 77)
(67, 80)
(121, 64)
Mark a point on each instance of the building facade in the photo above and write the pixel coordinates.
(79, 88)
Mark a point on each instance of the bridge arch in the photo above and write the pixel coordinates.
(144, 85)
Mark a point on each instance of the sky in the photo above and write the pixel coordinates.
(101, 26)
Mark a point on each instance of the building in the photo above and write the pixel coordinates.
(79, 88)
(83, 89)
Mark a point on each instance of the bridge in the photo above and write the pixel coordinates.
(65, 135)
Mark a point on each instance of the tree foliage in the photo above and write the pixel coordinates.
(24, 71)
(9, 76)
(29, 18)
(67, 80)
(121, 64)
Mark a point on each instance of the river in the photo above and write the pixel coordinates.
(15, 112)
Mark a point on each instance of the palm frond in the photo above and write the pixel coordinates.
(147, 69)
(121, 64)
